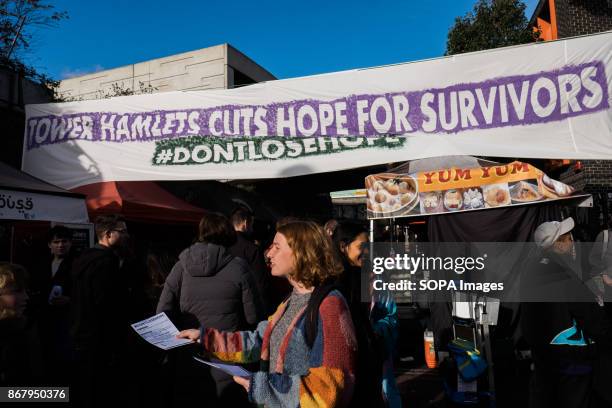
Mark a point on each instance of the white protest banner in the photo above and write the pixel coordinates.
(543, 100)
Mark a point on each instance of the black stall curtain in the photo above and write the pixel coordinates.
(509, 224)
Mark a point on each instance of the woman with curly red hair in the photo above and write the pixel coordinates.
(307, 348)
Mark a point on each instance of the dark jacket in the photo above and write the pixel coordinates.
(555, 300)
(15, 349)
(210, 287)
(99, 297)
(41, 283)
(247, 250)
(370, 345)
(568, 335)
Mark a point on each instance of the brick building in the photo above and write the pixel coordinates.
(568, 18)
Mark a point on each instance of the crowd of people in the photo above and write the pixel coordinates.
(291, 311)
(294, 312)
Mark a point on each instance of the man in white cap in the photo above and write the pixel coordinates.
(559, 324)
(555, 236)
(552, 268)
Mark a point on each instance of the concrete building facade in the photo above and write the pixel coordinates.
(217, 67)
(16, 92)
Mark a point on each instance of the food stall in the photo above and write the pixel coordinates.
(486, 202)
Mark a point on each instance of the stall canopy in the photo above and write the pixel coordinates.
(543, 100)
(142, 201)
(428, 190)
(23, 197)
(360, 196)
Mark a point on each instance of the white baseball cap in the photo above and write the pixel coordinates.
(548, 232)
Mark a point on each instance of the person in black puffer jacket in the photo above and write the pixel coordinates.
(209, 287)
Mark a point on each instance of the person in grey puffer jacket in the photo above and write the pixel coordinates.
(209, 287)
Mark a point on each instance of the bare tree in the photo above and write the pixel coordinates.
(18, 21)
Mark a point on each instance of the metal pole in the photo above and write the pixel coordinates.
(488, 355)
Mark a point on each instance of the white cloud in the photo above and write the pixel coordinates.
(71, 73)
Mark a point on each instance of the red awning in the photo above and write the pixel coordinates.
(138, 201)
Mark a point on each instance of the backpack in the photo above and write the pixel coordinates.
(370, 349)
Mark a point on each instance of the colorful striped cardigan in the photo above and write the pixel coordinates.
(323, 376)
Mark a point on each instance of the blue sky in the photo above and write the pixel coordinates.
(287, 38)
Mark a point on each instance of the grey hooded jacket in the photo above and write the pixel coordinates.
(210, 287)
